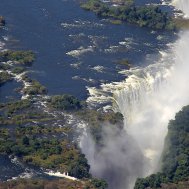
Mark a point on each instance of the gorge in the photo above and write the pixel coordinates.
(148, 98)
(182, 5)
(128, 82)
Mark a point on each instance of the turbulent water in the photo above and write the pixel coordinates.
(82, 50)
(182, 5)
(79, 47)
(148, 98)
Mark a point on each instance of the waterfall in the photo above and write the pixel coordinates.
(182, 5)
(148, 98)
(142, 98)
(144, 102)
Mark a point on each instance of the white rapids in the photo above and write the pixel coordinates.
(149, 97)
(182, 5)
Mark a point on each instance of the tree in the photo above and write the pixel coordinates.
(25, 141)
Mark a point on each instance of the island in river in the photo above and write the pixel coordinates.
(30, 133)
(150, 16)
(144, 16)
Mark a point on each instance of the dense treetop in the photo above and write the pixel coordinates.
(21, 57)
(149, 16)
(175, 158)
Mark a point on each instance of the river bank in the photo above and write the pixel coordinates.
(81, 52)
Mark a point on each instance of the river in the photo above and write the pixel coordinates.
(75, 49)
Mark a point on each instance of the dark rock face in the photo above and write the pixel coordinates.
(2, 21)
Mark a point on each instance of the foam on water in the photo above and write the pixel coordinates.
(98, 68)
(2, 45)
(149, 97)
(81, 24)
(76, 65)
(61, 175)
(136, 78)
(182, 5)
(88, 80)
(80, 51)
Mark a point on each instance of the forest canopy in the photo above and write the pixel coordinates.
(150, 16)
(175, 157)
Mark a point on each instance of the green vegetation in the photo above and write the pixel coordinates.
(16, 106)
(55, 153)
(176, 154)
(4, 66)
(181, 23)
(97, 120)
(26, 78)
(175, 158)
(32, 135)
(4, 77)
(35, 88)
(116, 22)
(23, 58)
(2, 21)
(59, 155)
(41, 184)
(18, 70)
(29, 143)
(144, 16)
(124, 62)
(179, 185)
(20, 57)
(65, 102)
(21, 112)
(19, 119)
(101, 184)
(40, 129)
(50, 184)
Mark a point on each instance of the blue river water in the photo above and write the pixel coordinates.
(74, 49)
(52, 29)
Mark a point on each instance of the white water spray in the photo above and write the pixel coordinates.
(182, 5)
(148, 99)
(149, 102)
